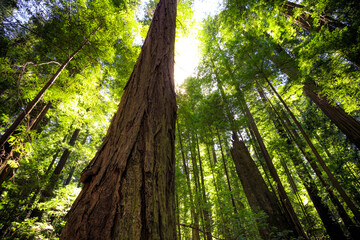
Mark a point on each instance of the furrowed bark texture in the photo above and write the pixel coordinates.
(129, 186)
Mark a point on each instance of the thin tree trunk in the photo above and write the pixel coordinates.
(273, 172)
(178, 216)
(226, 172)
(194, 216)
(333, 180)
(71, 173)
(9, 154)
(332, 227)
(38, 97)
(48, 191)
(36, 124)
(346, 123)
(129, 186)
(197, 193)
(314, 194)
(205, 208)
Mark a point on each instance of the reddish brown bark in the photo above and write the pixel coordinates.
(226, 172)
(347, 124)
(305, 19)
(320, 160)
(256, 191)
(129, 186)
(273, 172)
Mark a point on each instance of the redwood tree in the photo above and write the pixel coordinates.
(128, 188)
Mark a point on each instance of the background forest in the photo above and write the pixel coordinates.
(277, 87)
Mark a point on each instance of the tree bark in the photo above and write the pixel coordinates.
(318, 203)
(129, 187)
(273, 172)
(38, 97)
(331, 225)
(322, 163)
(207, 220)
(256, 191)
(347, 124)
(7, 151)
(71, 173)
(49, 189)
(226, 172)
(194, 216)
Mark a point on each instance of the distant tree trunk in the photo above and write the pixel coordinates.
(38, 97)
(256, 191)
(349, 41)
(41, 118)
(8, 150)
(273, 172)
(178, 217)
(226, 172)
(347, 124)
(260, 158)
(48, 190)
(322, 163)
(194, 216)
(129, 187)
(224, 230)
(196, 180)
(318, 203)
(71, 173)
(305, 19)
(331, 225)
(205, 208)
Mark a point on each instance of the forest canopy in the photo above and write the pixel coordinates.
(261, 141)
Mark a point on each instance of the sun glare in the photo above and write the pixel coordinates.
(187, 49)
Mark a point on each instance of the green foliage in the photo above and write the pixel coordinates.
(243, 47)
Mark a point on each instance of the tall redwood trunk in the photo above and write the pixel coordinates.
(346, 123)
(320, 160)
(129, 187)
(273, 172)
(256, 191)
(255, 188)
(331, 225)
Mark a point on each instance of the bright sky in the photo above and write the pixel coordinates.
(187, 52)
